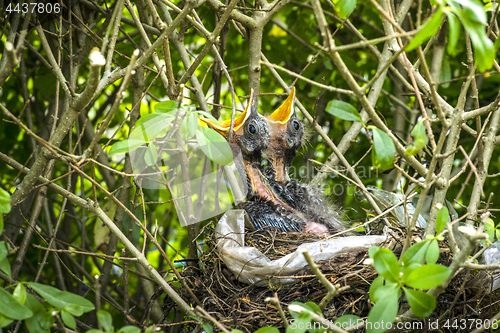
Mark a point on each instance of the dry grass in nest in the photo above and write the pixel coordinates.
(242, 306)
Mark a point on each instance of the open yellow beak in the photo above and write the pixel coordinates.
(285, 111)
(223, 127)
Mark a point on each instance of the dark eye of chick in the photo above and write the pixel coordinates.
(252, 129)
(296, 125)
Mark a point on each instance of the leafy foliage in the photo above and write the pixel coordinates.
(39, 317)
(343, 110)
(419, 139)
(157, 125)
(471, 14)
(427, 31)
(383, 149)
(106, 322)
(385, 291)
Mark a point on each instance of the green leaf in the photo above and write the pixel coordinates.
(41, 321)
(214, 146)
(189, 126)
(4, 198)
(484, 50)
(372, 250)
(473, 17)
(151, 155)
(146, 130)
(68, 319)
(347, 321)
(60, 299)
(74, 309)
(314, 307)
(166, 106)
(419, 139)
(4, 204)
(384, 310)
(429, 30)
(386, 264)
(3, 251)
(72, 300)
(208, 328)
(38, 323)
(489, 229)
(207, 115)
(432, 254)
(303, 307)
(20, 293)
(416, 253)
(344, 7)
(442, 219)
(453, 33)
(267, 329)
(12, 308)
(5, 267)
(125, 146)
(486, 58)
(196, 318)
(151, 126)
(472, 10)
(5, 321)
(410, 268)
(129, 329)
(428, 276)
(421, 304)
(376, 284)
(343, 110)
(105, 320)
(302, 313)
(381, 291)
(496, 45)
(301, 324)
(94, 331)
(383, 149)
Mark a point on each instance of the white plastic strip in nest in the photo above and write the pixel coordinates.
(252, 266)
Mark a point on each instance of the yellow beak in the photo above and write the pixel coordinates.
(285, 111)
(223, 127)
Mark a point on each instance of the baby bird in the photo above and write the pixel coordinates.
(287, 131)
(249, 139)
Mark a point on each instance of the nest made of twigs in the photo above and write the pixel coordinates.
(242, 306)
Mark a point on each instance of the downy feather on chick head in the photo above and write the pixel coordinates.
(287, 135)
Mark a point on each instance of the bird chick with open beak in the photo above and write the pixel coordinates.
(287, 132)
(250, 138)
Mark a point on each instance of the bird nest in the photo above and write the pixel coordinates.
(243, 306)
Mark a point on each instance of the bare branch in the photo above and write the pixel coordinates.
(55, 68)
(118, 101)
(208, 44)
(357, 90)
(235, 15)
(329, 88)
